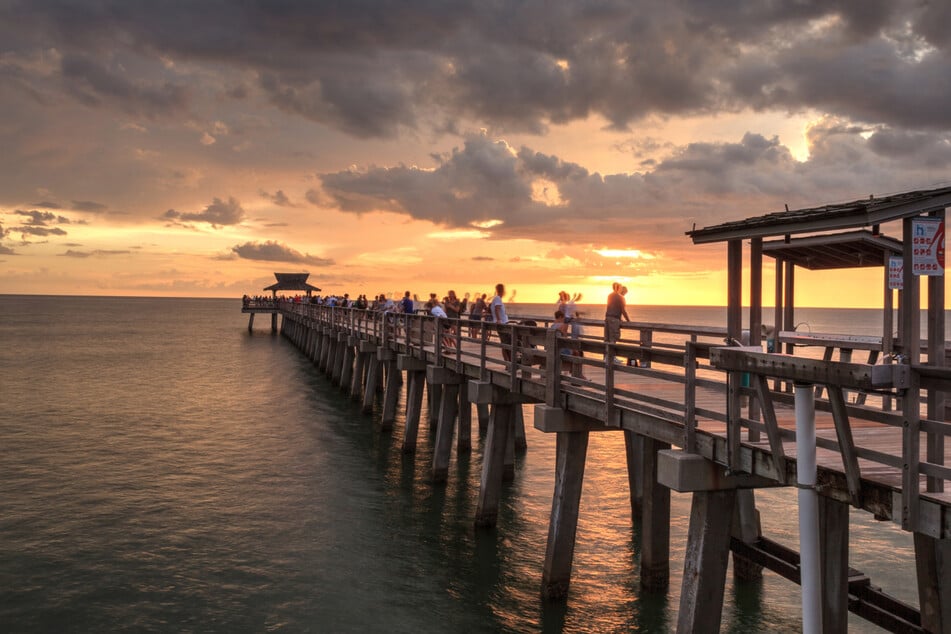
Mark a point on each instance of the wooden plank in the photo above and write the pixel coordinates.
(769, 420)
(846, 445)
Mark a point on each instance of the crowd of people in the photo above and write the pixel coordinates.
(476, 308)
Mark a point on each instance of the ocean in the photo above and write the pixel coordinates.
(163, 470)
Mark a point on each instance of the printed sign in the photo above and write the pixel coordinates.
(927, 235)
(896, 273)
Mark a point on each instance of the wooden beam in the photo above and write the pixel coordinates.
(843, 432)
(911, 337)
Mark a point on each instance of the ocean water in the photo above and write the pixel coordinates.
(161, 469)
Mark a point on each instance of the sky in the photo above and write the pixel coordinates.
(194, 148)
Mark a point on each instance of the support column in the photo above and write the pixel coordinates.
(811, 580)
(391, 393)
(346, 372)
(834, 564)
(448, 382)
(416, 379)
(500, 430)
(464, 443)
(520, 443)
(251, 322)
(274, 322)
(746, 528)
(356, 381)
(343, 344)
(435, 395)
(634, 449)
(571, 450)
(933, 565)
(655, 521)
(482, 410)
(705, 562)
(369, 392)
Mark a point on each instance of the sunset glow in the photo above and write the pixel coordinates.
(152, 157)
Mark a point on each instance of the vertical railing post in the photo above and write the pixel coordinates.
(690, 397)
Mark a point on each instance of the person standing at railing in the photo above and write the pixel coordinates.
(498, 315)
(616, 308)
(476, 313)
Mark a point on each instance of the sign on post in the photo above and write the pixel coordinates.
(927, 236)
(896, 272)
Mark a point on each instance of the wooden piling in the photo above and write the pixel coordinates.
(834, 564)
(705, 561)
(655, 521)
(571, 450)
(634, 449)
(933, 568)
(464, 443)
(391, 394)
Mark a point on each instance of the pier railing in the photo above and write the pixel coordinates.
(681, 384)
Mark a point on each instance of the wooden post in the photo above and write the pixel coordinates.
(936, 357)
(571, 450)
(493, 462)
(705, 562)
(464, 443)
(508, 466)
(634, 450)
(448, 405)
(746, 528)
(356, 383)
(372, 377)
(756, 317)
(337, 370)
(734, 328)
(911, 413)
(933, 567)
(482, 410)
(834, 564)
(346, 370)
(391, 394)
(416, 380)
(250, 322)
(520, 443)
(655, 521)
(435, 395)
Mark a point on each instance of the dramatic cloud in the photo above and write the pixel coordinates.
(218, 213)
(47, 205)
(279, 198)
(371, 71)
(526, 194)
(271, 251)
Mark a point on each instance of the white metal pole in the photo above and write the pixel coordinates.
(808, 509)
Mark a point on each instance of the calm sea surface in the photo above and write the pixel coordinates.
(161, 469)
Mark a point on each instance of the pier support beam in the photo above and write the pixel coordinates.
(571, 450)
(343, 345)
(391, 393)
(746, 528)
(933, 565)
(705, 562)
(655, 521)
(482, 410)
(416, 379)
(448, 383)
(634, 451)
(493, 461)
(359, 369)
(373, 376)
(464, 442)
(346, 372)
(834, 564)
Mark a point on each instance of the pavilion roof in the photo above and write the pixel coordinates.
(291, 282)
(851, 249)
(859, 213)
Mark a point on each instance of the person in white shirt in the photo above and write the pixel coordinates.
(497, 311)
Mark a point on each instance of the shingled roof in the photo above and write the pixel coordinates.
(860, 213)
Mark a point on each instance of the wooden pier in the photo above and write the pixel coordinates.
(700, 413)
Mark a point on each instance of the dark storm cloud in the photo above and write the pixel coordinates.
(218, 213)
(370, 71)
(271, 251)
(93, 83)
